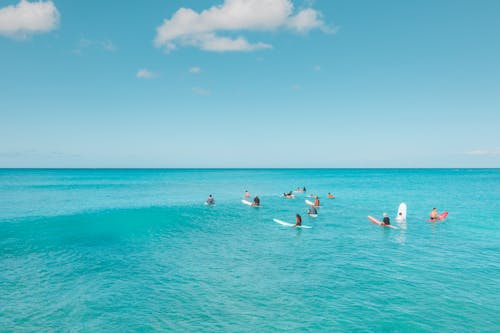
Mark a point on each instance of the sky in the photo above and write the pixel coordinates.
(249, 83)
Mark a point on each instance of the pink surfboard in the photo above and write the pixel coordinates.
(440, 217)
(382, 224)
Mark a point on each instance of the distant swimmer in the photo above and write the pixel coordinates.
(312, 211)
(386, 220)
(289, 195)
(298, 220)
(299, 190)
(210, 201)
(247, 194)
(256, 201)
(330, 196)
(434, 214)
(316, 201)
(304, 189)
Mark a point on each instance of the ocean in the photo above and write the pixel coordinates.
(92, 250)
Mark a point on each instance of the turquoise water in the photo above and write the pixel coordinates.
(136, 250)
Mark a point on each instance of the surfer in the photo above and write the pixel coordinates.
(312, 210)
(288, 195)
(316, 201)
(298, 220)
(434, 214)
(210, 200)
(247, 194)
(386, 220)
(304, 189)
(330, 196)
(256, 201)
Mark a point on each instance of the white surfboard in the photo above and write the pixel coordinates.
(310, 203)
(312, 215)
(207, 204)
(248, 203)
(401, 217)
(290, 224)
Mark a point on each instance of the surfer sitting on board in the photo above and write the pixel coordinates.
(312, 210)
(330, 196)
(210, 200)
(316, 201)
(256, 201)
(247, 194)
(434, 214)
(298, 220)
(386, 220)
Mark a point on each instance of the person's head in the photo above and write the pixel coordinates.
(400, 213)
(317, 197)
(434, 208)
(385, 215)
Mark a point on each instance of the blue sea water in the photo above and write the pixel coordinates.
(136, 250)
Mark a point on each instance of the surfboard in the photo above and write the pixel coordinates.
(440, 217)
(248, 203)
(290, 224)
(382, 224)
(207, 204)
(310, 203)
(312, 215)
(401, 217)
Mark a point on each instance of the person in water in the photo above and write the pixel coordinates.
(330, 196)
(256, 201)
(316, 201)
(312, 211)
(298, 220)
(434, 214)
(304, 189)
(247, 194)
(288, 195)
(386, 220)
(210, 200)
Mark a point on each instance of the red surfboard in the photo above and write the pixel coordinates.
(440, 217)
(382, 224)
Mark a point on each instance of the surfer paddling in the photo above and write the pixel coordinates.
(298, 220)
(256, 201)
(210, 200)
(386, 220)
(434, 214)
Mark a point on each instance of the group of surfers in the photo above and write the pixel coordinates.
(313, 209)
(433, 216)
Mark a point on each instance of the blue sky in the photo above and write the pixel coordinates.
(249, 83)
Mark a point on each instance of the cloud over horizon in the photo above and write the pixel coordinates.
(145, 74)
(202, 30)
(28, 18)
(484, 152)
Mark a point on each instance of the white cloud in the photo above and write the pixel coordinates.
(186, 27)
(484, 152)
(85, 43)
(201, 91)
(145, 74)
(28, 18)
(195, 70)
